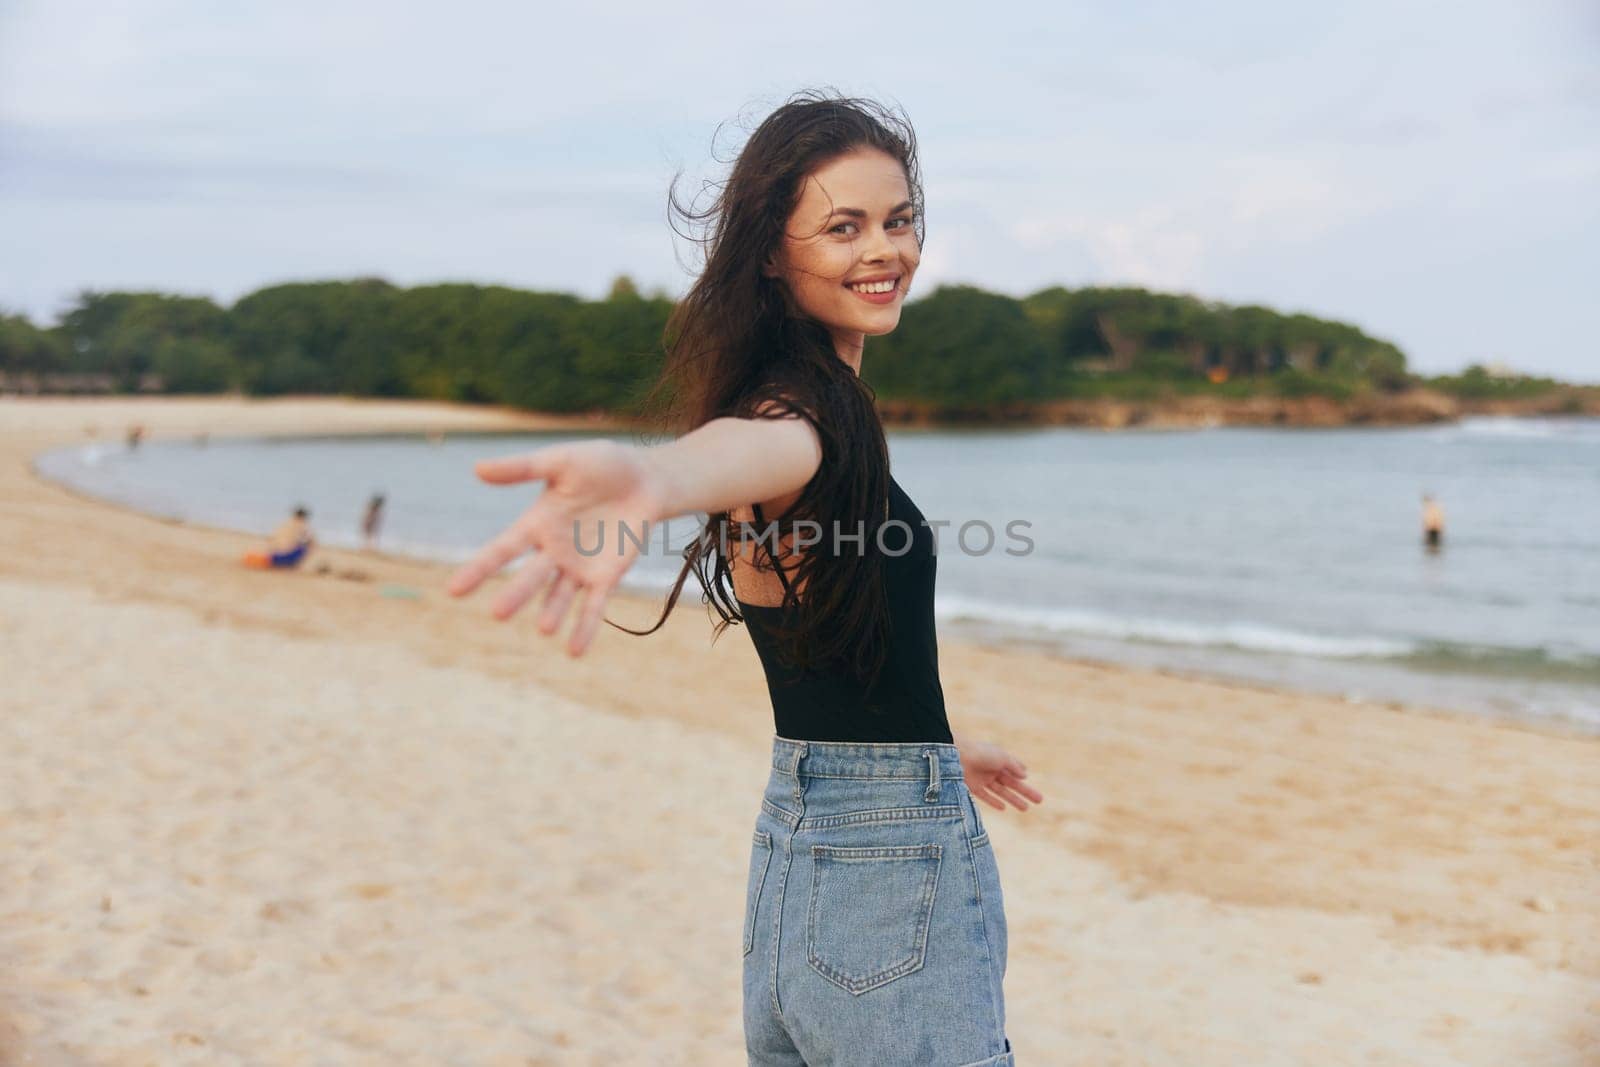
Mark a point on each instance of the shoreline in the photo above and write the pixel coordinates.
(501, 419)
(458, 844)
(1413, 407)
(1551, 726)
(1419, 406)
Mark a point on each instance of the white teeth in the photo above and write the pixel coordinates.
(876, 287)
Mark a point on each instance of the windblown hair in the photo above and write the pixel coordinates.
(738, 345)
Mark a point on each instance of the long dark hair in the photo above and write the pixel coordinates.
(738, 345)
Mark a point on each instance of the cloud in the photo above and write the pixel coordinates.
(1238, 152)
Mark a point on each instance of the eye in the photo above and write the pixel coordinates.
(904, 220)
(839, 228)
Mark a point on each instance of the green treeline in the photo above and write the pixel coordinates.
(557, 352)
(478, 344)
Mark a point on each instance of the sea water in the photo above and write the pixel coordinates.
(1281, 556)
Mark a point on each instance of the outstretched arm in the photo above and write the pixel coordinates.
(593, 489)
(728, 463)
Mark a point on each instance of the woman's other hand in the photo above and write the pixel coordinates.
(593, 490)
(995, 776)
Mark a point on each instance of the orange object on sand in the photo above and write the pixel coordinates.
(268, 560)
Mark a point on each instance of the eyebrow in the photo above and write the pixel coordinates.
(857, 213)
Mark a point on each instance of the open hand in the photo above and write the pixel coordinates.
(593, 489)
(994, 776)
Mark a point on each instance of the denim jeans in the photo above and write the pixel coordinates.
(875, 928)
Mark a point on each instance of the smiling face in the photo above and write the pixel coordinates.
(850, 248)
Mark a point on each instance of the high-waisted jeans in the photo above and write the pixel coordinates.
(875, 928)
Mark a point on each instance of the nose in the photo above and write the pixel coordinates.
(880, 250)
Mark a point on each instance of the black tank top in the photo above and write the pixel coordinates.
(830, 703)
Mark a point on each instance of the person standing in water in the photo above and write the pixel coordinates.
(874, 923)
(372, 520)
(1432, 523)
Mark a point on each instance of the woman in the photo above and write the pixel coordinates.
(874, 929)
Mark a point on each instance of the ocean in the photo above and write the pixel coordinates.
(1288, 557)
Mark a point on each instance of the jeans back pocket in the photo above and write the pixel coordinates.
(760, 858)
(870, 911)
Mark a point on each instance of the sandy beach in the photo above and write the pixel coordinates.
(252, 818)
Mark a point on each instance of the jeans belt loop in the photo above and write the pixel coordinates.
(932, 795)
(799, 786)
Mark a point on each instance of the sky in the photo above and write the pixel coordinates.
(1427, 171)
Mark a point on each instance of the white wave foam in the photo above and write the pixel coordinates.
(1251, 637)
(1521, 428)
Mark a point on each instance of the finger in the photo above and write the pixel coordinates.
(1007, 793)
(555, 605)
(1026, 790)
(511, 543)
(528, 583)
(591, 611)
(508, 470)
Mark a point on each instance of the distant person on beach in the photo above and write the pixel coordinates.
(873, 911)
(288, 545)
(1432, 523)
(372, 520)
(135, 435)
